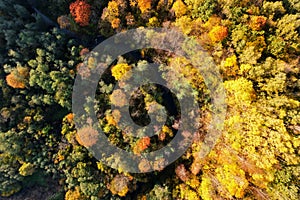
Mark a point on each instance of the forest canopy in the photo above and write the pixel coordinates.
(46, 45)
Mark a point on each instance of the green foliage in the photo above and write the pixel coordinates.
(13, 30)
(27, 137)
(286, 184)
(201, 9)
(256, 44)
(159, 192)
(273, 9)
(292, 5)
(9, 177)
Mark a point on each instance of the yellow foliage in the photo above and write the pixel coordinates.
(213, 21)
(262, 180)
(153, 22)
(26, 169)
(106, 129)
(111, 14)
(101, 166)
(259, 135)
(240, 92)
(193, 182)
(233, 179)
(27, 119)
(167, 130)
(185, 24)
(179, 8)
(164, 132)
(91, 63)
(183, 67)
(132, 3)
(230, 61)
(74, 194)
(230, 66)
(120, 71)
(206, 188)
(244, 68)
(186, 193)
(59, 158)
(113, 8)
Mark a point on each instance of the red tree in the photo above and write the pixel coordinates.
(81, 11)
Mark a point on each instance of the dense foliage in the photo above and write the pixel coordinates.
(255, 45)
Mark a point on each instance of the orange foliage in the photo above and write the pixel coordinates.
(59, 158)
(81, 12)
(110, 120)
(113, 118)
(144, 5)
(14, 82)
(115, 23)
(141, 145)
(27, 119)
(258, 22)
(16, 78)
(218, 33)
(70, 117)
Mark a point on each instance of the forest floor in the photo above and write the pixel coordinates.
(49, 190)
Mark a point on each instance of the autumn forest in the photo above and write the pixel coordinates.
(46, 45)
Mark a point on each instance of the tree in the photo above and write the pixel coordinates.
(17, 78)
(81, 12)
